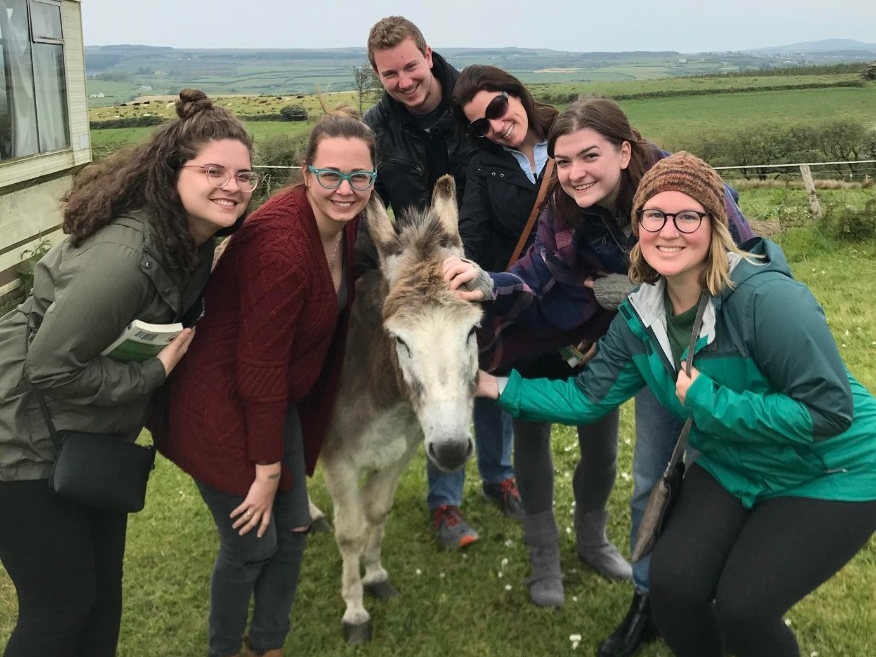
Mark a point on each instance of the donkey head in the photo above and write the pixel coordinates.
(433, 330)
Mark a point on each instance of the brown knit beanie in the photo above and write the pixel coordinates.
(686, 173)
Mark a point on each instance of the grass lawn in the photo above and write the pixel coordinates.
(475, 603)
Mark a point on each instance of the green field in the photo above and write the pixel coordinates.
(121, 71)
(670, 121)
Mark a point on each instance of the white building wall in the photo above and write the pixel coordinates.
(31, 187)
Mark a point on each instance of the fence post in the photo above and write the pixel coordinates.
(814, 205)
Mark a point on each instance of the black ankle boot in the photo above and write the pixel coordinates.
(636, 629)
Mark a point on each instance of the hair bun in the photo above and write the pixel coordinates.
(345, 112)
(191, 102)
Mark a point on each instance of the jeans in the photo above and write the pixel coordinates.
(65, 561)
(265, 569)
(493, 443)
(656, 432)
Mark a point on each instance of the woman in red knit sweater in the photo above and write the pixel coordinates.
(249, 406)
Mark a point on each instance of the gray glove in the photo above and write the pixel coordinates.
(481, 282)
(611, 290)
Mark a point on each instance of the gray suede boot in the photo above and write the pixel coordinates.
(595, 549)
(541, 537)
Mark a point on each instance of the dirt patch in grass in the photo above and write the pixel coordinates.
(765, 228)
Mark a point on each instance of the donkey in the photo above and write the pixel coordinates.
(408, 377)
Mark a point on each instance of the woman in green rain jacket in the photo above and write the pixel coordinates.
(783, 492)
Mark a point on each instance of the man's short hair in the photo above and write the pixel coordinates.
(389, 32)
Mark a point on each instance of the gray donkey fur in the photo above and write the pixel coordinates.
(408, 379)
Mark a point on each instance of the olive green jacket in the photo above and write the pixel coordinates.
(82, 299)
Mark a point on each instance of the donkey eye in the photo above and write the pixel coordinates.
(402, 344)
(473, 333)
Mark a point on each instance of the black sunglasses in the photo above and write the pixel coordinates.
(496, 109)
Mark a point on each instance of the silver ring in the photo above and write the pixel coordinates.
(247, 514)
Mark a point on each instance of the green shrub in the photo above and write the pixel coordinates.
(30, 257)
(848, 223)
(294, 112)
(280, 151)
(128, 122)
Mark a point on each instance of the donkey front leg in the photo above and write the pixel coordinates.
(318, 521)
(342, 480)
(378, 493)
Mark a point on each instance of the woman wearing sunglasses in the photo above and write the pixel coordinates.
(248, 413)
(504, 177)
(566, 287)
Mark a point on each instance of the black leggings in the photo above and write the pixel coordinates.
(66, 563)
(722, 576)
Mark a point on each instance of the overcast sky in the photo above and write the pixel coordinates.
(685, 26)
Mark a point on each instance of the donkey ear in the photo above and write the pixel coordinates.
(380, 228)
(444, 205)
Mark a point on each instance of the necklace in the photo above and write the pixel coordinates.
(623, 243)
(331, 260)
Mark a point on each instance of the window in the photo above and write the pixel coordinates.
(33, 87)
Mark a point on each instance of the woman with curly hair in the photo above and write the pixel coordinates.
(139, 245)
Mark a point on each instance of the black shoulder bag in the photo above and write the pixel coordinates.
(98, 470)
(665, 492)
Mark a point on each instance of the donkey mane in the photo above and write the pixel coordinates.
(425, 243)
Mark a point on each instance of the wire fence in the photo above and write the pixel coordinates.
(861, 171)
(868, 167)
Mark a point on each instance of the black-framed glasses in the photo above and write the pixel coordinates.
(496, 109)
(218, 176)
(686, 221)
(332, 178)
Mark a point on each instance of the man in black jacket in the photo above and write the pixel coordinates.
(418, 141)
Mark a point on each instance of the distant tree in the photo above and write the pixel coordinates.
(367, 85)
(843, 140)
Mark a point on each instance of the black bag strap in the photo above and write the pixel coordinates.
(681, 443)
(44, 407)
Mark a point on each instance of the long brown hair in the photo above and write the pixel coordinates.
(480, 77)
(605, 117)
(145, 177)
